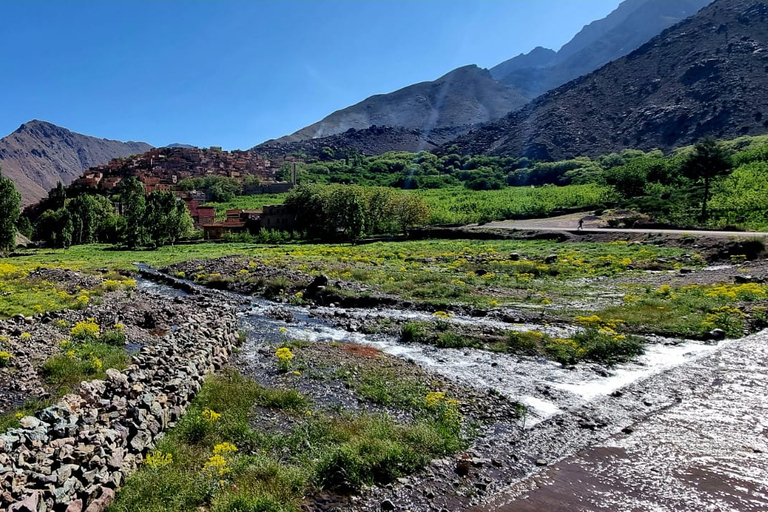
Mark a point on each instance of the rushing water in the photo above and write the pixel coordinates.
(544, 386)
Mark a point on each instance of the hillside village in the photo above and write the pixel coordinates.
(162, 169)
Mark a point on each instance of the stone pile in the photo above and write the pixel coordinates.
(74, 455)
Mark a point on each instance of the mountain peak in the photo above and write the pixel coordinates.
(40, 154)
(629, 26)
(703, 77)
(36, 124)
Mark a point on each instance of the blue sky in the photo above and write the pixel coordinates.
(236, 73)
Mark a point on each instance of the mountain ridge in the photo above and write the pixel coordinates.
(39, 154)
(469, 96)
(632, 24)
(464, 96)
(707, 75)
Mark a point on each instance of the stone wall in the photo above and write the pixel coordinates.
(74, 455)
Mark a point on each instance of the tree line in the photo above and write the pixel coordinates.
(693, 185)
(350, 212)
(129, 218)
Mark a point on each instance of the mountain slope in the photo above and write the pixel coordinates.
(708, 75)
(370, 141)
(38, 155)
(467, 95)
(633, 23)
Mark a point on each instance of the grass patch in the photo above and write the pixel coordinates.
(217, 459)
(385, 387)
(81, 361)
(693, 310)
(599, 341)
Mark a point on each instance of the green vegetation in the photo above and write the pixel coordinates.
(254, 202)
(383, 386)
(349, 212)
(220, 458)
(9, 213)
(22, 292)
(81, 361)
(598, 341)
(708, 161)
(218, 188)
(694, 310)
(153, 220)
(442, 273)
(463, 206)
(674, 189)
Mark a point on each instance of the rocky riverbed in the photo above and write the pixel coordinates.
(570, 411)
(604, 426)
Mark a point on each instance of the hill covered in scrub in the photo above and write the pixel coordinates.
(706, 76)
(375, 140)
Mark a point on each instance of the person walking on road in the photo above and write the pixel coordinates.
(581, 224)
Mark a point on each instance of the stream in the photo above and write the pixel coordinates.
(545, 387)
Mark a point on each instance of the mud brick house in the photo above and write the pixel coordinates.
(200, 214)
(88, 180)
(163, 168)
(278, 217)
(237, 221)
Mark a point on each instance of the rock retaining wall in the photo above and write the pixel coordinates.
(74, 455)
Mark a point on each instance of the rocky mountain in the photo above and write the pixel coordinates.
(465, 96)
(628, 27)
(470, 96)
(370, 141)
(38, 155)
(707, 75)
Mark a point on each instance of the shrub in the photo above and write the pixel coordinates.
(85, 331)
(607, 348)
(115, 337)
(525, 343)
(284, 357)
(415, 332)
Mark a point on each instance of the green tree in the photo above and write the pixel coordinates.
(24, 226)
(82, 210)
(411, 210)
(108, 222)
(57, 197)
(10, 203)
(133, 206)
(708, 161)
(347, 210)
(54, 228)
(167, 218)
(380, 204)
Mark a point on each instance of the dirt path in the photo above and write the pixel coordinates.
(705, 452)
(592, 224)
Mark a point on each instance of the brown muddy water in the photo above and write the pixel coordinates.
(706, 452)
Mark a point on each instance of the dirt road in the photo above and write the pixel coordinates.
(595, 225)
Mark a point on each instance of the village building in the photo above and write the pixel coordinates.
(236, 222)
(273, 217)
(279, 217)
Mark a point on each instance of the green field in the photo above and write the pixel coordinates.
(459, 205)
